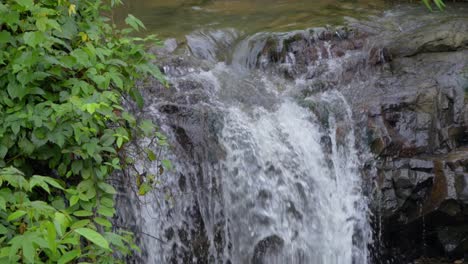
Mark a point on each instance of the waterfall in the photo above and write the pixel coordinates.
(259, 175)
(280, 189)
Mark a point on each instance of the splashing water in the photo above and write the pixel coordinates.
(283, 192)
(258, 178)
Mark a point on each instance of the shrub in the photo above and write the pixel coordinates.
(65, 69)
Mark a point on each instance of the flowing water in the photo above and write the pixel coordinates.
(177, 18)
(259, 175)
(266, 164)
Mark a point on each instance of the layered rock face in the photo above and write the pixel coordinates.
(419, 136)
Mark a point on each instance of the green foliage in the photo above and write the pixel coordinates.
(64, 72)
(439, 3)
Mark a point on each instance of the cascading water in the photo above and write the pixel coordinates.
(259, 176)
(281, 192)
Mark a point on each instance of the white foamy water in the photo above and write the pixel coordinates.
(258, 178)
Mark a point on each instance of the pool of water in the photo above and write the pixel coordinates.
(176, 18)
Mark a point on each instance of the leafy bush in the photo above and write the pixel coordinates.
(64, 72)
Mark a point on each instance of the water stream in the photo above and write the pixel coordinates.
(259, 176)
(266, 119)
(178, 18)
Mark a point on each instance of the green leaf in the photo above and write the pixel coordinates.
(5, 37)
(41, 23)
(86, 190)
(147, 127)
(105, 211)
(107, 140)
(15, 246)
(57, 138)
(166, 164)
(107, 188)
(61, 223)
(16, 215)
(427, 4)
(42, 207)
(3, 230)
(74, 199)
(107, 202)
(28, 250)
(119, 142)
(14, 177)
(440, 4)
(103, 222)
(93, 236)
(136, 95)
(3, 151)
(15, 90)
(77, 165)
(38, 181)
(25, 3)
(15, 127)
(83, 213)
(144, 189)
(51, 236)
(81, 57)
(34, 38)
(2, 203)
(134, 22)
(80, 224)
(52, 182)
(26, 146)
(151, 155)
(69, 256)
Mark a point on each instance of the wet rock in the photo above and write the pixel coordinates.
(293, 54)
(267, 247)
(420, 164)
(211, 45)
(454, 239)
(379, 56)
(461, 186)
(293, 210)
(416, 127)
(168, 47)
(440, 36)
(432, 189)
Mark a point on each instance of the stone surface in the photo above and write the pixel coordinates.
(435, 37)
(417, 131)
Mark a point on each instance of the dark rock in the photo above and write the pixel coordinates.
(379, 56)
(454, 239)
(417, 129)
(439, 36)
(420, 164)
(267, 247)
(461, 186)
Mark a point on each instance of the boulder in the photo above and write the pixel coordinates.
(438, 36)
